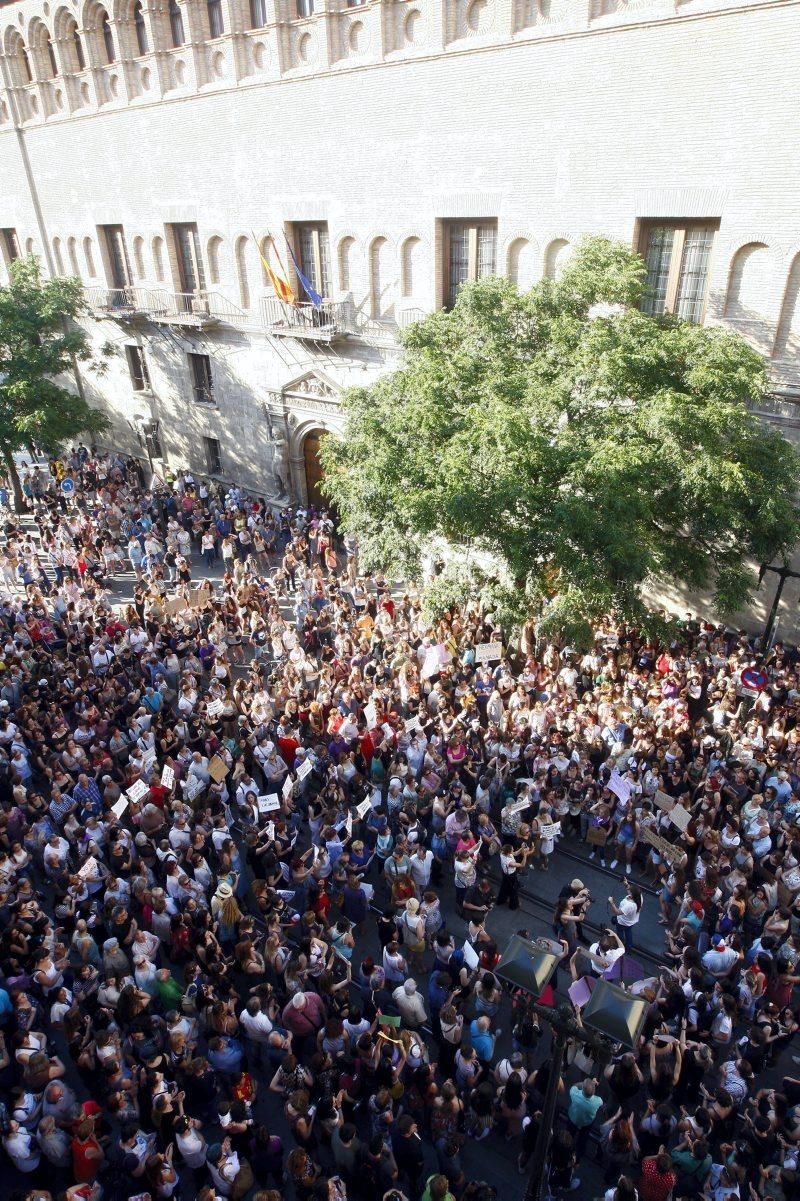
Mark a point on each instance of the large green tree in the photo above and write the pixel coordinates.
(40, 343)
(590, 449)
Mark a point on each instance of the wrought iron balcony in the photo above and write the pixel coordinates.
(324, 324)
(124, 304)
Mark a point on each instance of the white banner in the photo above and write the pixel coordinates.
(485, 652)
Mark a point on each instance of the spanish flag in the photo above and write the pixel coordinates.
(283, 289)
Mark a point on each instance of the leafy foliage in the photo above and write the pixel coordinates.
(589, 448)
(37, 346)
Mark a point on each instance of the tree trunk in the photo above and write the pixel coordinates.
(13, 479)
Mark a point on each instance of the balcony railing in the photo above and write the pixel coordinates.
(323, 324)
(123, 302)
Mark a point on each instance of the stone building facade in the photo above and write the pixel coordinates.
(158, 149)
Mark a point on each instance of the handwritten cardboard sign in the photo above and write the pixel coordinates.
(215, 708)
(137, 791)
(218, 769)
(680, 817)
(288, 785)
(363, 809)
(664, 801)
(550, 829)
(486, 652)
(304, 769)
(167, 777)
(120, 807)
(662, 847)
(267, 804)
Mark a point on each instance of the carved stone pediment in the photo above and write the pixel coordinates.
(313, 384)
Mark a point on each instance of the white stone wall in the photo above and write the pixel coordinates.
(556, 117)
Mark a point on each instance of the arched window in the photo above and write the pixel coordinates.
(72, 251)
(80, 59)
(787, 340)
(138, 257)
(141, 28)
(520, 263)
(51, 57)
(176, 24)
(381, 305)
(108, 37)
(241, 272)
(19, 62)
(408, 266)
(345, 264)
(216, 25)
(158, 259)
(44, 59)
(58, 258)
(749, 283)
(214, 246)
(555, 257)
(88, 254)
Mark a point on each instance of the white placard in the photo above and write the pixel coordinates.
(363, 809)
(137, 790)
(550, 830)
(431, 663)
(518, 806)
(288, 785)
(664, 801)
(266, 804)
(305, 769)
(349, 825)
(120, 807)
(193, 787)
(680, 817)
(387, 729)
(89, 869)
(371, 715)
(470, 956)
(270, 828)
(412, 724)
(149, 758)
(485, 652)
(215, 708)
(620, 787)
(167, 777)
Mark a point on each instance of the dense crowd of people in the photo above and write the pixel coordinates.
(253, 840)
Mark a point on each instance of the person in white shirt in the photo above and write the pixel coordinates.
(21, 1148)
(627, 913)
(410, 1004)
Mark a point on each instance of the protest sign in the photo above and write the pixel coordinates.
(167, 777)
(270, 828)
(174, 606)
(486, 652)
(680, 817)
(620, 787)
(148, 758)
(88, 871)
(266, 804)
(665, 802)
(349, 825)
(217, 769)
(550, 830)
(666, 850)
(288, 785)
(192, 787)
(470, 957)
(412, 724)
(387, 729)
(120, 807)
(304, 769)
(137, 790)
(363, 809)
(215, 708)
(518, 806)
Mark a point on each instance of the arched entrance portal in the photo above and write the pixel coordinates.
(313, 468)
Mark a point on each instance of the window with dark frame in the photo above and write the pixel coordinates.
(213, 457)
(108, 37)
(186, 242)
(202, 382)
(469, 253)
(305, 8)
(137, 367)
(258, 14)
(117, 255)
(141, 28)
(312, 248)
(677, 254)
(216, 24)
(176, 24)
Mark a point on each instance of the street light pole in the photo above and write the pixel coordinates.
(565, 1026)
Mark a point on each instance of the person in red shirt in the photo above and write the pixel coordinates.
(288, 746)
(658, 1177)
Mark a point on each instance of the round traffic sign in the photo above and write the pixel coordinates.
(753, 678)
(67, 485)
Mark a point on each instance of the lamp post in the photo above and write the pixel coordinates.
(610, 1016)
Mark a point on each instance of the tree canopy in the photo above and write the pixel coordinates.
(590, 449)
(38, 344)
